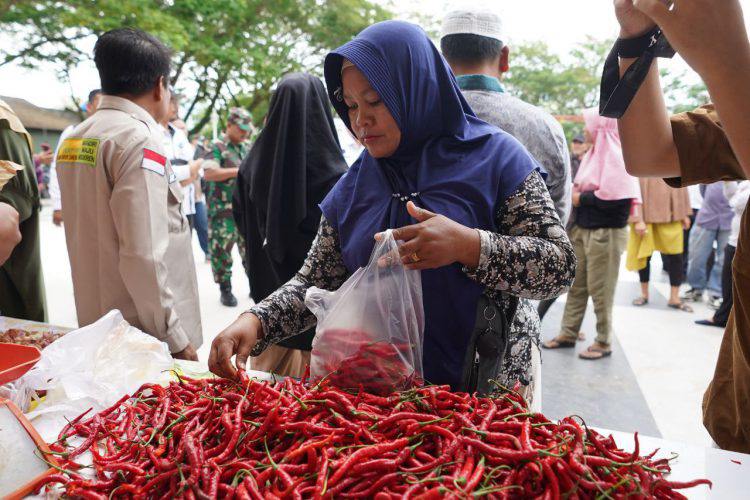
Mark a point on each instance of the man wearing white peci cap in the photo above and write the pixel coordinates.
(472, 43)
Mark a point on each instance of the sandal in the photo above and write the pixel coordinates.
(558, 343)
(681, 306)
(594, 353)
(640, 301)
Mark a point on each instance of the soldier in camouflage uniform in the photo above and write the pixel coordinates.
(221, 168)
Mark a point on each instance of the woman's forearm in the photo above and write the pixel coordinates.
(646, 132)
(283, 314)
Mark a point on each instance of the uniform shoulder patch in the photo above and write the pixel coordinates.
(78, 150)
(153, 161)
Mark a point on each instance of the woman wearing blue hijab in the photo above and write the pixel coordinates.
(469, 203)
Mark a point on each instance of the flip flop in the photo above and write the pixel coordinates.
(558, 344)
(640, 301)
(681, 307)
(594, 353)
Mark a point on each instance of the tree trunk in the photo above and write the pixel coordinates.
(207, 115)
(178, 70)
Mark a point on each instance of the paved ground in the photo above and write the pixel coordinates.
(655, 379)
(653, 382)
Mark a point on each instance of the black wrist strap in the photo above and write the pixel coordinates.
(617, 93)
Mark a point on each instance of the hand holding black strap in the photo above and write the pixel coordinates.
(617, 93)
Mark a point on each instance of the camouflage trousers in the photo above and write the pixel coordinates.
(222, 236)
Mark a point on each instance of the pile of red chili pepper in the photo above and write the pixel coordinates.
(249, 439)
(349, 359)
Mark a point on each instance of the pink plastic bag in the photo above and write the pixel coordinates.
(370, 330)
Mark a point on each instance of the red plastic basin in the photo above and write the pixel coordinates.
(15, 360)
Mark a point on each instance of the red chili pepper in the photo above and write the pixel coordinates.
(256, 440)
(499, 452)
(237, 429)
(366, 453)
(680, 485)
(321, 483)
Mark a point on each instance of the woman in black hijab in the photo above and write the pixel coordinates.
(291, 167)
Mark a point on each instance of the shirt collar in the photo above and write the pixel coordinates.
(126, 106)
(479, 82)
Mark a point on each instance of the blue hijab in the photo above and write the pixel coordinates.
(449, 162)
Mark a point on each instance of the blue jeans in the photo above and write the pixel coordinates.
(201, 225)
(701, 244)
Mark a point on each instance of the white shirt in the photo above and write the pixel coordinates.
(696, 198)
(178, 147)
(54, 185)
(737, 194)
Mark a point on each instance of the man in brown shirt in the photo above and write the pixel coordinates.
(699, 147)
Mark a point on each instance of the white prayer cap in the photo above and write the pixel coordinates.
(473, 22)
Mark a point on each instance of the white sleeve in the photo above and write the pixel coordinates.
(54, 185)
(183, 149)
(730, 188)
(181, 172)
(740, 198)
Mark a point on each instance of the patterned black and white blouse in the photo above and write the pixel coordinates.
(530, 257)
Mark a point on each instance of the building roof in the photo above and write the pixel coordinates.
(36, 118)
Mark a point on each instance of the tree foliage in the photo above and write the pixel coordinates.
(561, 86)
(231, 52)
(567, 85)
(226, 52)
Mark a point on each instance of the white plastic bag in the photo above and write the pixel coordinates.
(370, 331)
(92, 367)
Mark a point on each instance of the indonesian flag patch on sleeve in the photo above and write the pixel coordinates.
(154, 161)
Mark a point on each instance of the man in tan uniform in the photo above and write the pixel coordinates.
(128, 241)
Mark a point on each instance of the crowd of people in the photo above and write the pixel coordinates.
(479, 187)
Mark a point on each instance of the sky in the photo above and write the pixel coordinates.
(560, 23)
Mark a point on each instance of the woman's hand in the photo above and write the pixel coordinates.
(436, 241)
(686, 223)
(640, 228)
(238, 338)
(633, 22)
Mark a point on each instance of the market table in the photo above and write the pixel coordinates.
(729, 471)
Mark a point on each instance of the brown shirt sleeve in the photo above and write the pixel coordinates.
(703, 148)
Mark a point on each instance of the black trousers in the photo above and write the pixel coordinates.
(673, 266)
(722, 314)
(685, 244)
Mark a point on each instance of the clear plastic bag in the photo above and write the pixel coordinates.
(370, 331)
(90, 367)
